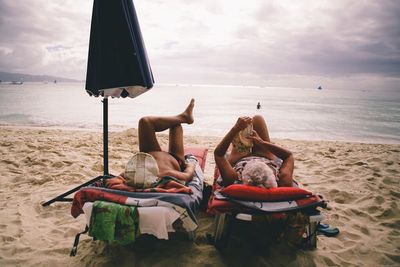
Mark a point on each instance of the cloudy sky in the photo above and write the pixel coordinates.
(339, 44)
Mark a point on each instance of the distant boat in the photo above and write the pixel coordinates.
(15, 82)
(319, 87)
(55, 81)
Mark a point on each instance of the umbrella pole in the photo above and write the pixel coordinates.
(62, 197)
(105, 135)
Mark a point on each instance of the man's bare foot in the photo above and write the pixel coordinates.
(188, 113)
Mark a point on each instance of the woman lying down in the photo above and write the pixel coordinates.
(254, 160)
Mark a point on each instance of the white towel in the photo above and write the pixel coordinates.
(157, 221)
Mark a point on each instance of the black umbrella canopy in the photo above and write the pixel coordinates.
(117, 63)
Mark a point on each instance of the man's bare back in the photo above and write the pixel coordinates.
(165, 161)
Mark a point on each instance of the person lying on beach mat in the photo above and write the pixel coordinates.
(252, 146)
(146, 167)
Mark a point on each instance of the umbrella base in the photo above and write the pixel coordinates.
(63, 198)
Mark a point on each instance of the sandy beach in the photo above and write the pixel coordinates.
(360, 181)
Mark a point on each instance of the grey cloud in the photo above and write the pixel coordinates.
(356, 39)
(34, 28)
(353, 38)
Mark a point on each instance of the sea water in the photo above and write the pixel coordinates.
(297, 113)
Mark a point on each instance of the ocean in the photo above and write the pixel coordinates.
(355, 115)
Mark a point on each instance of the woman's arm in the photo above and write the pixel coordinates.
(228, 174)
(286, 171)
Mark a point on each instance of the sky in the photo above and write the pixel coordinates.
(336, 44)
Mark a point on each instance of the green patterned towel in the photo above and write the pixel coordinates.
(114, 223)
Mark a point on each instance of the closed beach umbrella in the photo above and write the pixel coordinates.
(117, 63)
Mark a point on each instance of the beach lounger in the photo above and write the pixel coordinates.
(228, 209)
(180, 206)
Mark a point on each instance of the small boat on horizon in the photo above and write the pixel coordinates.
(16, 82)
(319, 87)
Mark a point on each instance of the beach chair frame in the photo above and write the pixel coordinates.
(223, 223)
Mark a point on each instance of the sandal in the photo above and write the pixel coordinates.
(322, 226)
(330, 232)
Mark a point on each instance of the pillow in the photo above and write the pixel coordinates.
(200, 153)
(254, 193)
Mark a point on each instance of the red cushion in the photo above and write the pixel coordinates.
(199, 152)
(247, 192)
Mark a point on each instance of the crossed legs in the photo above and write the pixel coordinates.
(150, 125)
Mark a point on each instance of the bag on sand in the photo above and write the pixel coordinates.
(141, 171)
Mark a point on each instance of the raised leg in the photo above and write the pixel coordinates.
(260, 126)
(148, 126)
(176, 141)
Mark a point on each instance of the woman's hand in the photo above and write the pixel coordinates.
(257, 141)
(242, 123)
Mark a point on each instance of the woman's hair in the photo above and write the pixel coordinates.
(259, 173)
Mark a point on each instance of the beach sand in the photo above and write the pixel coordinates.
(360, 181)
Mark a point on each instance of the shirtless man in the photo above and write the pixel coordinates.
(169, 163)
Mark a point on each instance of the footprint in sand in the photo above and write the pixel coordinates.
(31, 146)
(376, 174)
(374, 209)
(7, 239)
(15, 164)
(57, 164)
(357, 212)
(57, 153)
(375, 160)
(80, 145)
(6, 144)
(390, 180)
(341, 197)
(393, 257)
(394, 224)
(396, 194)
(365, 230)
(387, 214)
(379, 200)
(67, 162)
(360, 163)
(56, 231)
(336, 172)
